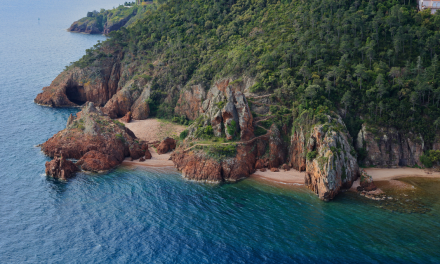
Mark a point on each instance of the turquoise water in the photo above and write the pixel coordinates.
(141, 215)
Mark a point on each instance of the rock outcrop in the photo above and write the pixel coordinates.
(61, 168)
(198, 165)
(166, 145)
(127, 118)
(224, 107)
(388, 147)
(98, 142)
(325, 152)
(76, 86)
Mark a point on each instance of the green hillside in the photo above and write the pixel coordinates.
(369, 60)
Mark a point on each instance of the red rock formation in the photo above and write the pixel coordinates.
(96, 141)
(97, 161)
(76, 86)
(274, 170)
(196, 165)
(190, 102)
(127, 117)
(166, 145)
(61, 168)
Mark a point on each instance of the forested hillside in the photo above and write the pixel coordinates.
(376, 60)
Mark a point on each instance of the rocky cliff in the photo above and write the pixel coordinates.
(388, 147)
(96, 141)
(107, 83)
(324, 151)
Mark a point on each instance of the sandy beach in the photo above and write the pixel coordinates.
(153, 129)
(386, 174)
(286, 177)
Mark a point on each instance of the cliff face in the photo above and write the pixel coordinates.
(388, 147)
(76, 86)
(106, 83)
(95, 140)
(325, 152)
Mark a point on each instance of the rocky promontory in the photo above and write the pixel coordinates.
(96, 141)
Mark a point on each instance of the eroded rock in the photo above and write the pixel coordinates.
(61, 168)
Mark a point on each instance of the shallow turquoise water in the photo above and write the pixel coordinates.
(138, 215)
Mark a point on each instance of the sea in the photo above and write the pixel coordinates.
(153, 215)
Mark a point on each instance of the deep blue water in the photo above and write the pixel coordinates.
(139, 215)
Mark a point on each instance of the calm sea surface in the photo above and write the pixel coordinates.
(139, 215)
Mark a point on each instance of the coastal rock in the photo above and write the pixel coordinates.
(330, 166)
(197, 165)
(166, 145)
(366, 182)
(388, 147)
(274, 170)
(97, 161)
(76, 86)
(108, 141)
(61, 168)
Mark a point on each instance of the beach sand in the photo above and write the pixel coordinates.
(286, 177)
(155, 161)
(152, 130)
(386, 174)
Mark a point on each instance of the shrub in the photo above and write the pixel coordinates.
(120, 137)
(232, 127)
(184, 134)
(118, 123)
(311, 155)
(259, 131)
(426, 161)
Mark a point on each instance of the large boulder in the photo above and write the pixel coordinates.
(61, 168)
(166, 145)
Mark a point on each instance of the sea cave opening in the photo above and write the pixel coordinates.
(76, 94)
